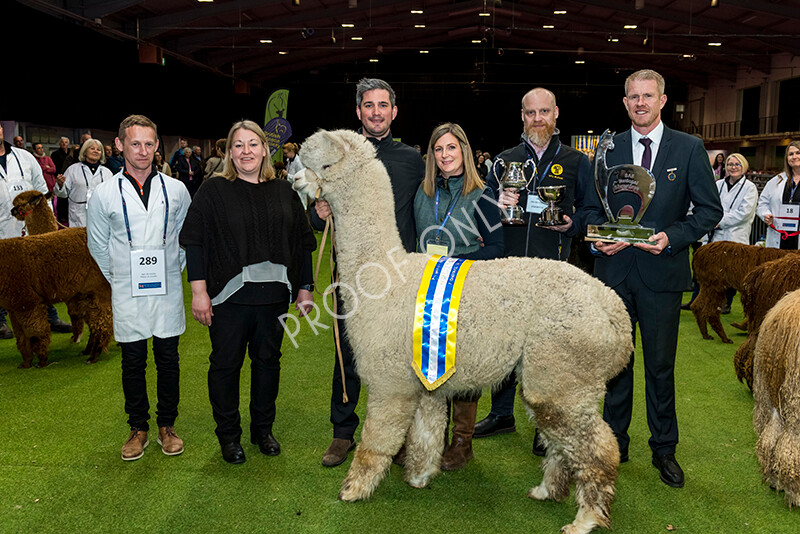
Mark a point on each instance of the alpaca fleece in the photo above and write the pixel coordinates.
(51, 267)
(718, 266)
(564, 332)
(763, 288)
(776, 391)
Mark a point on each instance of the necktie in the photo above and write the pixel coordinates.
(647, 155)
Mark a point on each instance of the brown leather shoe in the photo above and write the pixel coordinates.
(134, 447)
(171, 444)
(337, 452)
(460, 450)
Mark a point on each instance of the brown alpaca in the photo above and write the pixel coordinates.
(763, 288)
(776, 390)
(718, 266)
(87, 295)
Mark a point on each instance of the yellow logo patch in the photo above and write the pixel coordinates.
(557, 169)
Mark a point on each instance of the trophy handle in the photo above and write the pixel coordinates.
(601, 171)
(498, 163)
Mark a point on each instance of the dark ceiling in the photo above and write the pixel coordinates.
(671, 36)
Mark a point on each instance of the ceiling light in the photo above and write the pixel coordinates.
(373, 60)
(205, 0)
(416, 12)
(687, 55)
(423, 51)
(476, 41)
(559, 12)
(419, 25)
(282, 52)
(614, 40)
(579, 62)
(529, 52)
(590, 131)
(630, 26)
(348, 25)
(548, 26)
(356, 38)
(265, 41)
(714, 3)
(484, 14)
(715, 44)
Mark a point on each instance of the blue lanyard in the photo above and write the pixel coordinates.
(537, 178)
(449, 209)
(21, 172)
(83, 168)
(125, 211)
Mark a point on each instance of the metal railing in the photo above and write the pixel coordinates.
(732, 129)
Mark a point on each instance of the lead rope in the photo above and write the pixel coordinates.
(336, 335)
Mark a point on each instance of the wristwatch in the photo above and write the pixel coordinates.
(307, 287)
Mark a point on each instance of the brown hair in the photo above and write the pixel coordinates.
(135, 120)
(786, 168)
(472, 180)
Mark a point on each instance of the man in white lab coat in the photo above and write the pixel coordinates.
(133, 224)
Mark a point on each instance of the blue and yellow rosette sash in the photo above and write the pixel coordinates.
(436, 319)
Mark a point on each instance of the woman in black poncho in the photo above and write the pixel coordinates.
(248, 247)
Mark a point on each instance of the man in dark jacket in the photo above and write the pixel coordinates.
(551, 163)
(650, 277)
(375, 107)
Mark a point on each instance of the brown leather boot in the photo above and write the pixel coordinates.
(460, 450)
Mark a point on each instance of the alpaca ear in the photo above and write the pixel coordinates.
(337, 141)
(35, 200)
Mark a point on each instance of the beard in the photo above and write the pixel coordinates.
(540, 137)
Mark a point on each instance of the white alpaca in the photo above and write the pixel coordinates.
(564, 333)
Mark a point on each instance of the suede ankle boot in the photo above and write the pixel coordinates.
(460, 450)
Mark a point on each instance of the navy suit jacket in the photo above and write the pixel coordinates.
(683, 174)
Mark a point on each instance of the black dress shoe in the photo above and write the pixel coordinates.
(623, 456)
(538, 447)
(492, 425)
(267, 444)
(687, 306)
(233, 453)
(671, 472)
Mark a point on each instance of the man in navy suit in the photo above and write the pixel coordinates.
(650, 277)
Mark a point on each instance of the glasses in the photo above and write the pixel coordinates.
(734, 165)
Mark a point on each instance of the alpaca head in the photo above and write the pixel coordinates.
(336, 162)
(27, 201)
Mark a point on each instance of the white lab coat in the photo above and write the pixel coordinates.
(293, 168)
(739, 207)
(769, 203)
(78, 181)
(137, 318)
(30, 178)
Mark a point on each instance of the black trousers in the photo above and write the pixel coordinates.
(658, 316)
(134, 383)
(236, 329)
(343, 416)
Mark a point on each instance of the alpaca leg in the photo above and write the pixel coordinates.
(23, 341)
(743, 360)
(769, 428)
(99, 330)
(582, 443)
(388, 419)
(39, 334)
(699, 311)
(75, 309)
(715, 320)
(425, 440)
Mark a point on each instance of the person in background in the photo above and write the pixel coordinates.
(248, 245)
(79, 181)
(132, 228)
(47, 165)
(114, 162)
(719, 166)
(778, 197)
(187, 170)
(215, 163)
(182, 143)
(161, 165)
(739, 197)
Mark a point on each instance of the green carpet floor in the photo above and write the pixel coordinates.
(63, 426)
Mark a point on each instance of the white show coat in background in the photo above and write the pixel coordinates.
(137, 318)
(78, 181)
(769, 203)
(30, 178)
(739, 207)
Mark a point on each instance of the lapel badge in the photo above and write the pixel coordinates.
(671, 174)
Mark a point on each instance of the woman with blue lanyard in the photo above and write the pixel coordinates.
(79, 180)
(779, 202)
(456, 215)
(248, 249)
